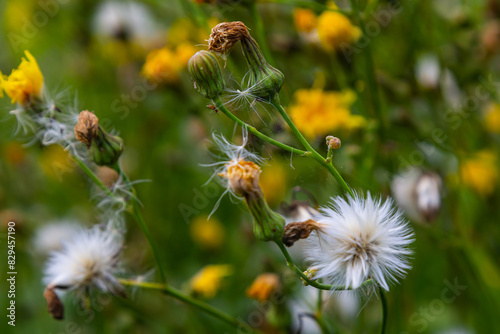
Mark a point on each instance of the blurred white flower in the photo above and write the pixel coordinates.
(361, 239)
(90, 258)
(418, 193)
(427, 71)
(49, 237)
(125, 20)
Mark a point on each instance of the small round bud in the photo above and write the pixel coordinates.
(106, 149)
(206, 74)
(333, 143)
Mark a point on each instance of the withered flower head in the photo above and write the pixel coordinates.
(225, 35)
(54, 305)
(297, 231)
(87, 128)
(243, 177)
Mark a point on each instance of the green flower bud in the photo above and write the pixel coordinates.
(264, 81)
(105, 149)
(206, 74)
(268, 225)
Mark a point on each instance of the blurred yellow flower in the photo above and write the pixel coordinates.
(208, 280)
(14, 10)
(24, 83)
(162, 66)
(184, 52)
(208, 233)
(305, 20)
(480, 173)
(335, 29)
(56, 162)
(263, 286)
(492, 118)
(273, 182)
(317, 112)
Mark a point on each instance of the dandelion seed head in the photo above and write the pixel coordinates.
(89, 259)
(361, 239)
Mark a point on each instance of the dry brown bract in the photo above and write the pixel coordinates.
(87, 128)
(225, 35)
(297, 231)
(54, 305)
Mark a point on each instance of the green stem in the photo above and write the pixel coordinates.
(137, 214)
(259, 27)
(383, 301)
(318, 316)
(92, 176)
(315, 155)
(257, 133)
(191, 301)
(313, 283)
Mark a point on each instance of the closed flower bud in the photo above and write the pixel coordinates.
(206, 74)
(105, 149)
(264, 80)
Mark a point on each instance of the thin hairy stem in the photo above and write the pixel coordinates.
(220, 106)
(92, 176)
(314, 154)
(142, 224)
(306, 279)
(174, 293)
(383, 301)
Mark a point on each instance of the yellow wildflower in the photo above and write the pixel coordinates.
(263, 286)
(162, 66)
(305, 20)
(492, 118)
(273, 183)
(317, 112)
(184, 52)
(335, 29)
(208, 233)
(24, 83)
(208, 280)
(480, 173)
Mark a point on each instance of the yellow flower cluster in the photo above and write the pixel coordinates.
(163, 65)
(25, 83)
(208, 280)
(492, 118)
(480, 173)
(333, 28)
(318, 112)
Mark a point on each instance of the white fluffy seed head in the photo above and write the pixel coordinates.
(90, 258)
(361, 239)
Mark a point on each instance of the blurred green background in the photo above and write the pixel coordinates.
(167, 133)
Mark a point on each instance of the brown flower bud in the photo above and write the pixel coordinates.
(333, 142)
(297, 231)
(54, 305)
(87, 128)
(225, 35)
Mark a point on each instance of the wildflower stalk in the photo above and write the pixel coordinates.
(318, 316)
(174, 293)
(306, 279)
(92, 176)
(383, 300)
(138, 216)
(220, 106)
(313, 153)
